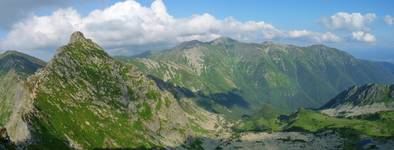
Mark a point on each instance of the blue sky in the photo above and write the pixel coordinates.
(294, 22)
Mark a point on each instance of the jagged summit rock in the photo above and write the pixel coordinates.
(79, 42)
(77, 36)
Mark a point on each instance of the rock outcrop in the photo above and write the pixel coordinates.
(359, 100)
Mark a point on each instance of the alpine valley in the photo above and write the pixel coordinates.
(221, 94)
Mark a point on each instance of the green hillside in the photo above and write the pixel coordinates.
(84, 99)
(238, 78)
(311, 121)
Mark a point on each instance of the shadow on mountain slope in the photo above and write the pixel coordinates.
(228, 99)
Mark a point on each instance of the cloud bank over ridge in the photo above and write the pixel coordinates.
(127, 26)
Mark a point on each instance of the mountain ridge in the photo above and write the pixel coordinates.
(261, 73)
(359, 100)
(21, 63)
(84, 99)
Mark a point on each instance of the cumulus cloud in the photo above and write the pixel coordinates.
(128, 25)
(363, 36)
(14, 10)
(389, 20)
(42, 32)
(350, 21)
(314, 36)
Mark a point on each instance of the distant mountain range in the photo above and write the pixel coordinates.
(22, 64)
(239, 78)
(222, 94)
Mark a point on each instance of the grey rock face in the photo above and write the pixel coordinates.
(77, 36)
(359, 100)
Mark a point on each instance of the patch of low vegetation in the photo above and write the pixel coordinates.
(267, 119)
(146, 111)
(152, 94)
(312, 121)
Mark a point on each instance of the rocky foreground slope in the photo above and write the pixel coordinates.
(15, 67)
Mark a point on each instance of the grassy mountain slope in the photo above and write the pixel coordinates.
(363, 132)
(371, 129)
(264, 120)
(85, 99)
(312, 121)
(374, 123)
(238, 78)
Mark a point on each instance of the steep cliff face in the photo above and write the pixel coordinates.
(15, 67)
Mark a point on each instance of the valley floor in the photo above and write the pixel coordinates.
(327, 140)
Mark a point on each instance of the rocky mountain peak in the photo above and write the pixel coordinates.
(78, 43)
(77, 36)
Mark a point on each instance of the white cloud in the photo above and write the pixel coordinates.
(314, 36)
(363, 36)
(42, 32)
(128, 25)
(350, 21)
(389, 20)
